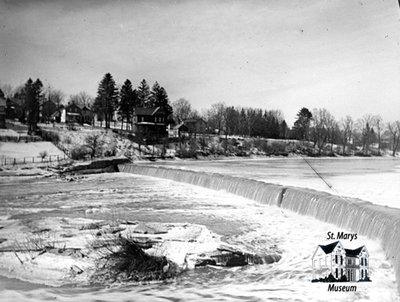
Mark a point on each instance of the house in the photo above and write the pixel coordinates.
(73, 113)
(149, 122)
(196, 126)
(340, 262)
(180, 130)
(47, 109)
(3, 106)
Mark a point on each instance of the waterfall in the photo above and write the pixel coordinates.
(380, 223)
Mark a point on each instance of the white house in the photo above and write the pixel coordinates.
(336, 260)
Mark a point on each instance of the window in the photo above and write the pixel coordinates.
(362, 261)
(336, 273)
(362, 273)
(142, 118)
(365, 262)
(341, 260)
(336, 261)
(341, 272)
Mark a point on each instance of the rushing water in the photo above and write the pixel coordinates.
(241, 221)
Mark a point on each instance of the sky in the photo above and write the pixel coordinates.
(342, 55)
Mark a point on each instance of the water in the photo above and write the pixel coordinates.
(372, 179)
(239, 220)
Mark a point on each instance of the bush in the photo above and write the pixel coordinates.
(43, 154)
(123, 259)
(80, 152)
(50, 136)
(67, 140)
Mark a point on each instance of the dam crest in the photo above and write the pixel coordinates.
(377, 222)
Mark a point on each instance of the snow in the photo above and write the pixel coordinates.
(28, 150)
(188, 212)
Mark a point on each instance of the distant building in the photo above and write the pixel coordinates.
(196, 126)
(180, 130)
(149, 122)
(336, 260)
(73, 113)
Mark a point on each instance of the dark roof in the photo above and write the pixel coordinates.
(329, 248)
(353, 253)
(181, 127)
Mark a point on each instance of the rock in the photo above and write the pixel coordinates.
(2, 240)
(75, 269)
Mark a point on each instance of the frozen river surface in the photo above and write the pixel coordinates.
(241, 222)
(372, 179)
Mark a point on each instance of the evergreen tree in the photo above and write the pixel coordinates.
(1, 94)
(33, 96)
(144, 94)
(128, 101)
(302, 124)
(159, 98)
(107, 98)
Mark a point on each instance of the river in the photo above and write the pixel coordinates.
(240, 221)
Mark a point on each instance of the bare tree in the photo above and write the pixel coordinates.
(81, 99)
(378, 124)
(95, 144)
(347, 125)
(7, 89)
(216, 115)
(394, 129)
(182, 109)
(54, 95)
(367, 133)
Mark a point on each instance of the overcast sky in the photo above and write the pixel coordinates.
(343, 55)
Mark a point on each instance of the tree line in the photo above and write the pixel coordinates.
(110, 99)
(318, 126)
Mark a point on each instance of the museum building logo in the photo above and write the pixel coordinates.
(334, 263)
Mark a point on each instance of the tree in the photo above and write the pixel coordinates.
(159, 98)
(33, 96)
(128, 101)
(394, 130)
(81, 99)
(144, 94)
(378, 123)
(367, 133)
(182, 109)
(95, 144)
(107, 98)
(302, 124)
(347, 131)
(216, 116)
(7, 90)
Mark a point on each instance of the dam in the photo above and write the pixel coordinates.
(380, 223)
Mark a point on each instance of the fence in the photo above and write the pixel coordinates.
(9, 161)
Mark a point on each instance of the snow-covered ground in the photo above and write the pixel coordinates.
(238, 221)
(31, 149)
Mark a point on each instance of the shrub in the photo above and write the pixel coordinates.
(67, 140)
(123, 258)
(43, 154)
(78, 153)
(50, 136)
